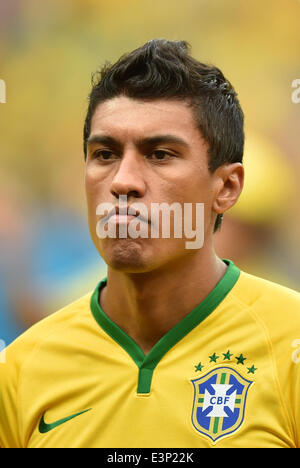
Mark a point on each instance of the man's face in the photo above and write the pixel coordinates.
(152, 152)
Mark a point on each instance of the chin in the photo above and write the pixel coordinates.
(127, 255)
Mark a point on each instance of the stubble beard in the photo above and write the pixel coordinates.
(127, 255)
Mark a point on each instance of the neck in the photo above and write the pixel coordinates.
(146, 306)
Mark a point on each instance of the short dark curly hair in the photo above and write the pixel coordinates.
(163, 69)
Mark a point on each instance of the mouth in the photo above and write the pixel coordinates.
(124, 214)
(120, 218)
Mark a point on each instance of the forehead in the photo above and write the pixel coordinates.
(124, 116)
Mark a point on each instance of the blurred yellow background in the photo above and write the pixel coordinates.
(48, 51)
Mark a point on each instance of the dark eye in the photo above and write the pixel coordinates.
(160, 155)
(104, 155)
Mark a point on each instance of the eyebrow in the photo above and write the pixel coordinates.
(103, 140)
(141, 142)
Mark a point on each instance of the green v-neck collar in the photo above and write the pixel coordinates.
(147, 363)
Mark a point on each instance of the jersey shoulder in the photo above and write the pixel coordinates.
(22, 359)
(277, 305)
(55, 323)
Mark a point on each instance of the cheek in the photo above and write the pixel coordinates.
(93, 188)
(195, 192)
(190, 192)
(93, 195)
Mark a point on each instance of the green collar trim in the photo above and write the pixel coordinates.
(147, 363)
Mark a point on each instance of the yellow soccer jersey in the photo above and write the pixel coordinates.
(227, 375)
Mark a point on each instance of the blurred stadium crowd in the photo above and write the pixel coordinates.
(48, 51)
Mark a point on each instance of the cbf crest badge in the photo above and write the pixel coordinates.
(219, 402)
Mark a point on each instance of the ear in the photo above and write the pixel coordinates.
(229, 184)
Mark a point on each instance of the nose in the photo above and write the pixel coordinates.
(129, 179)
